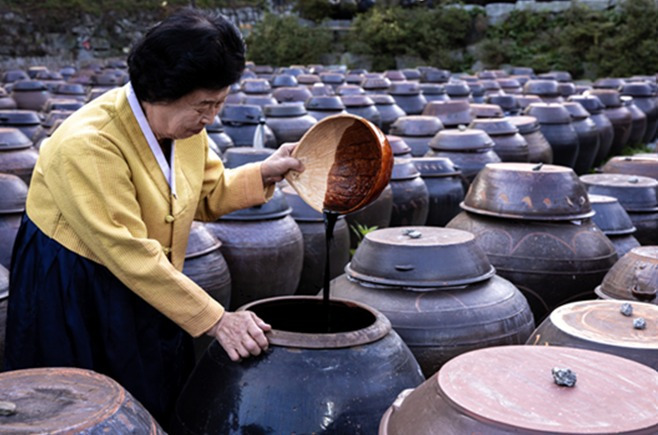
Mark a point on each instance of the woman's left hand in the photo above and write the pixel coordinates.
(275, 166)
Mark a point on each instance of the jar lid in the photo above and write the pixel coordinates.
(308, 79)
(398, 145)
(451, 113)
(416, 125)
(419, 258)
(525, 124)
(546, 87)
(591, 103)
(286, 94)
(256, 86)
(13, 139)
(576, 110)
(333, 78)
(526, 100)
(609, 97)
(275, 208)
(634, 192)
(644, 165)
(394, 75)
(284, 110)
(28, 86)
(19, 117)
(411, 73)
(382, 99)
(357, 100)
(325, 102)
(528, 191)
(508, 83)
(486, 110)
(404, 169)
(432, 89)
(379, 82)
(404, 88)
(70, 89)
(435, 75)
(238, 156)
(201, 241)
(13, 194)
(549, 113)
(504, 101)
(609, 83)
(610, 216)
(467, 139)
(495, 126)
(457, 88)
(240, 114)
(280, 80)
(637, 89)
(350, 89)
(633, 277)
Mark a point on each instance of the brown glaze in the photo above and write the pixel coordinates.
(633, 277)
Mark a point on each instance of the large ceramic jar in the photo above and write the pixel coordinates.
(241, 122)
(446, 188)
(17, 156)
(633, 278)
(645, 165)
(434, 75)
(615, 223)
(410, 195)
(417, 131)
(534, 224)
(74, 91)
(256, 86)
(458, 90)
(508, 142)
(600, 325)
(322, 106)
(451, 113)
(375, 215)
(620, 117)
(30, 94)
(389, 111)
(588, 137)
(399, 147)
(539, 150)
(644, 98)
(507, 102)
(408, 96)
(605, 128)
(510, 85)
(292, 94)
(220, 140)
(375, 85)
(363, 106)
(482, 110)
(264, 249)
(333, 79)
(556, 126)
(6, 102)
(638, 124)
(639, 197)
(257, 100)
(512, 389)
(311, 224)
(468, 148)
(13, 193)
(438, 289)
(288, 121)
(330, 368)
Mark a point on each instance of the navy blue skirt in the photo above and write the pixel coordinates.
(67, 311)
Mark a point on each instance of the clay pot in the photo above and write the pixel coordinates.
(434, 75)
(588, 137)
(469, 149)
(322, 106)
(634, 277)
(424, 280)
(288, 121)
(546, 89)
(350, 89)
(6, 102)
(258, 86)
(458, 90)
(30, 94)
(70, 400)
(511, 389)
(638, 196)
(363, 106)
(333, 79)
(646, 166)
(508, 143)
(507, 102)
(283, 80)
(451, 113)
(412, 74)
(264, 249)
(556, 126)
(615, 223)
(399, 147)
(389, 111)
(600, 326)
(220, 140)
(510, 85)
(311, 224)
(620, 117)
(644, 99)
(408, 96)
(605, 128)
(239, 156)
(638, 124)
(343, 357)
(17, 156)
(14, 75)
(240, 123)
(486, 111)
(71, 91)
(417, 131)
(539, 150)
(258, 100)
(292, 94)
(45, 128)
(376, 85)
(308, 79)
(609, 83)
(445, 186)
(410, 195)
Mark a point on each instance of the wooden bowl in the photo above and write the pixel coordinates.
(348, 162)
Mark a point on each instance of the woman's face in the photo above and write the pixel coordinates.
(186, 116)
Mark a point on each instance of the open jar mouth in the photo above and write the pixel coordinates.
(310, 322)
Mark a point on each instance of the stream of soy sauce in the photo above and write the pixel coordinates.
(330, 219)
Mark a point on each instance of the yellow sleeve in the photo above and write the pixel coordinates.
(90, 182)
(226, 190)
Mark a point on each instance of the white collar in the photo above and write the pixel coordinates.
(168, 172)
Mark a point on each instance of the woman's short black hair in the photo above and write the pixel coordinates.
(191, 49)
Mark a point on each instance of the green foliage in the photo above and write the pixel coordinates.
(432, 35)
(585, 42)
(360, 231)
(282, 40)
(314, 10)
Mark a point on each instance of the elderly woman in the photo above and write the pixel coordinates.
(96, 277)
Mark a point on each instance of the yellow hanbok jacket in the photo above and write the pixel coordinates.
(97, 189)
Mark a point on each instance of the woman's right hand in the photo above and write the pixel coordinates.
(241, 334)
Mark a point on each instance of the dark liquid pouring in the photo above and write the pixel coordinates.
(330, 219)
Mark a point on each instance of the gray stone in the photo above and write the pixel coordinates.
(498, 12)
(564, 377)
